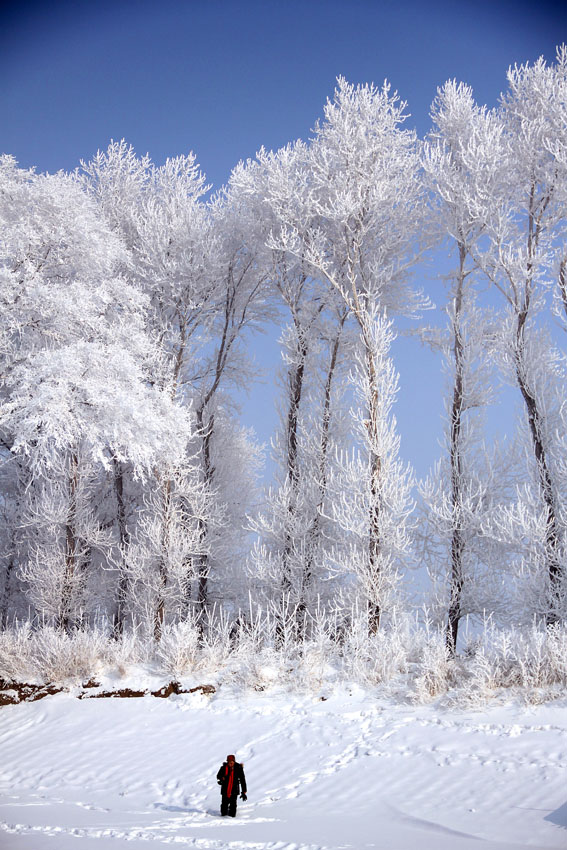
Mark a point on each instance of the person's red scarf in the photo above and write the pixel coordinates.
(230, 780)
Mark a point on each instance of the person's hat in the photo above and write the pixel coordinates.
(228, 758)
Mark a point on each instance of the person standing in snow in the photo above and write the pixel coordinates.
(231, 779)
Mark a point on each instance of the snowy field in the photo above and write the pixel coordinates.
(349, 771)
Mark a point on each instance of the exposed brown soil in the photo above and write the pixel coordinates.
(124, 692)
(175, 688)
(15, 692)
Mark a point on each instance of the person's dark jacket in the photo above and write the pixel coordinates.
(238, 782)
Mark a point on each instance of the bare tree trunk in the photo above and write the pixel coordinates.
(162, 568)
(456, 461)
(71, 547)
(5, 601)
(375, 513)
(206, 433)
(375, 461)
(535, 421)
(231, 326)
(376, 506)
(325, 426)
(14, 546)
(124, 537)
(296, 390)
(535, 415)
(84, 562)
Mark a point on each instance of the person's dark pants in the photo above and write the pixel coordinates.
(228, 805)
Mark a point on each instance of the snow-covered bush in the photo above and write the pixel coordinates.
(177, 651)
(373, 658)
(15, 655)
(47, 654)
(258, 651)
(129, 648)
(319, 655)
(513, 660)
(215, 645)
(542, 657)
(57, 656)
(431, 678)
(248, 641)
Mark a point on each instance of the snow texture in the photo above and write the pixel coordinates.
(346, 771)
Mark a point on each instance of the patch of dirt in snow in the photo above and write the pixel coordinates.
(12, 693)
(345, 773)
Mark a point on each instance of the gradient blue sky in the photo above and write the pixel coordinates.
(222, 78)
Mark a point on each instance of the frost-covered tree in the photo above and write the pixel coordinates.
(127, 298)
(372, 482)
(527, 230)
(290, 528)
(195, 261)
(361, 182)
(75, 388)
(294, 528)
(461, 160)
(242, 307)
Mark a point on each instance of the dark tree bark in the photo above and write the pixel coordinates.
(5, 600)
(296, 390)
(235, 317)
(376, 500)
(456, 461)
(206, 433)
(64, 619)
(535, 421)
(124, 538)
(159, 615)
(324, 448)
(535, 415)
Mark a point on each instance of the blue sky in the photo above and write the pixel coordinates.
(222, 78)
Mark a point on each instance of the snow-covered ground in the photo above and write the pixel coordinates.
(350, 771)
